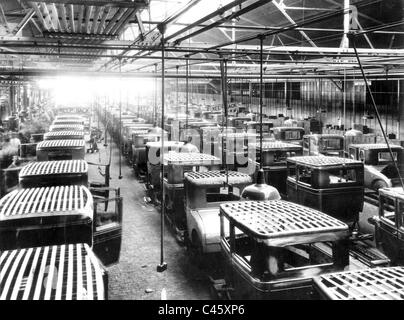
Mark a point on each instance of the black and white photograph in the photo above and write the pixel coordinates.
(195, 156)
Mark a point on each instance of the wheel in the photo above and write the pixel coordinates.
(196, 251)
(378, 184)
(167, 210)
(148, 182)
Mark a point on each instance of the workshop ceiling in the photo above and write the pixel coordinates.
(301, 36)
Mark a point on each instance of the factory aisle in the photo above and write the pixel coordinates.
(135, 276)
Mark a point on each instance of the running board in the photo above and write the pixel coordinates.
(368, 255)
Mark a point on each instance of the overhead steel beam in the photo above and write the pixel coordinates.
(63, 11)
(334, 50)
(275, 65)
(281, 7)
(103, 19)
(163, 24)
(122, 21)
(241, 49)
(24, 21)
(206, 18)
(364, 34)
(95, 19)
(267, 28)
(383, 26)
(3, 19)
(38, 13)
(103, 3)
(280, 40)
(195, 75)
(359, 13)
(347, 15)
(32, 21)
(307, 8)
(89, 10)
(66, 38)
(80, 19)
(114, 20)
(312, 19)
(48, 19)
(121, 28)
(229, 17)
(180, 12)
(142, 30)
(54, 15)
(298, 64)
(71, 17)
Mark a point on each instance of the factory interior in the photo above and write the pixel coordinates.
(193, 150)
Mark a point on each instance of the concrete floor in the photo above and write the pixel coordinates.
(135, 276)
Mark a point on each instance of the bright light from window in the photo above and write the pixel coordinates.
(81, 91)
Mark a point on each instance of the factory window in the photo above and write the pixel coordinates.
(332, 144)
(385, 157)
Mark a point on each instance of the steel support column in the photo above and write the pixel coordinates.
(187, 92)
(261, 93)
(163, 265)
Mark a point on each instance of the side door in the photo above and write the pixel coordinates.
(107, 234)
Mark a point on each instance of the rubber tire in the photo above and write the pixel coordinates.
(197, 254)
(378, 184)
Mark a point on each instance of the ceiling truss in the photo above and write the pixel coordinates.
(90, 34)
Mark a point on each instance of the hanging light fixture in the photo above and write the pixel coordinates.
(260, 190)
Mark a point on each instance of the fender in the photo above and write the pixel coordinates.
(194, 222)
(371, 174)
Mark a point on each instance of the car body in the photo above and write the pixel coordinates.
(380, 171)
(274, 248)
(364, 284)
(325, 144)
(64, 135)
(66, 127)
(274, 156)
(332, 185)
(36, 274)
(48, 216)
(176, 165)
(61, 150)
(204, 193)
(389, 224)
(51, 173)
(289, 134)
